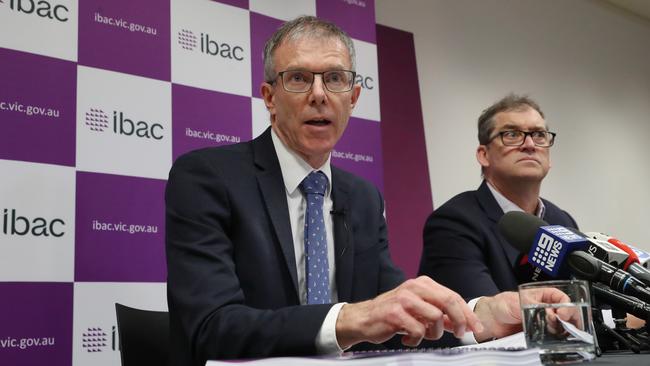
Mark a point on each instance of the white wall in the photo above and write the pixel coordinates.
(586, 63)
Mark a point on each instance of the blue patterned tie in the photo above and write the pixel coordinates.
(316, 268)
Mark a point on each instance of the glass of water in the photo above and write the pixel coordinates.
(557, 320)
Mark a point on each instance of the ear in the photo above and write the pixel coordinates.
(356, 90)
(482, 156)
(268, 92)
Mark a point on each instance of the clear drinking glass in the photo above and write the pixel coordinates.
(557, 319)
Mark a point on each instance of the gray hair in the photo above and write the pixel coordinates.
(511, 102)
(304, 27)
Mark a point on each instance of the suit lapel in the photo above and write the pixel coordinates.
(269, 179)
(343, 245)
(494, 212)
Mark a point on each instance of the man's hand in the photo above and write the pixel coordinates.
(501, 314)
(419, 308)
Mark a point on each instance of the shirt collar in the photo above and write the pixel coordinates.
(295, 169)
(507, 205)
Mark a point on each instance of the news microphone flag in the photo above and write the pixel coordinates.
(551, 245)
(644, 257)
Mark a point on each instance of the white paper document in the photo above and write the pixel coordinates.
(505, 351)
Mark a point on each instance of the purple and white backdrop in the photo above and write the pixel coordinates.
(97, 98)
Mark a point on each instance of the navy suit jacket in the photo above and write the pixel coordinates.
(464, 250)
(232, 283)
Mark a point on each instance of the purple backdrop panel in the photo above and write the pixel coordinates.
(238, 3)
(262, 27)
(359, 150)
(356, 17)
(126, 36)
(202, 118)
(406, 173)
(120, 232)
(36, 323)
(37, 108)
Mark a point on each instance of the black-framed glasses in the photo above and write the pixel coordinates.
(300, 81)
(517, 138)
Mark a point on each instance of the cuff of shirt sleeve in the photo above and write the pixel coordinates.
(468, 337)
(326, 342)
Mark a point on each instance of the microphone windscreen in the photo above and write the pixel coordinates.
(520, 228)
(583, 265)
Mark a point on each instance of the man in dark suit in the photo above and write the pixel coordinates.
(271, 251)
(463, 248)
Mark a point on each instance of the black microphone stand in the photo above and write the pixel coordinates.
(620, 338)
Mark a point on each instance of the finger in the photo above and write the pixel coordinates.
(413, 330)
(435, 330)
(552, 295)
(552, 324)
(572, 315)
(411, 341)
(449, 302)
(419, 309)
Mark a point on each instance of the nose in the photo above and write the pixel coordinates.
(528, 142)
(317, 93)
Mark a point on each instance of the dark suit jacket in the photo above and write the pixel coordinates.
(232, 283)
(464, 250)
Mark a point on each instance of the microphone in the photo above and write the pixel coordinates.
(551, 243)
(526, 272)
(589, 268)
(632, 256)
(515, 233)
(519, 228)
(622, 302)
(606, 252)
(643, 258)
(632, 264)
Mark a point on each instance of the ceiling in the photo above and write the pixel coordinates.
(640, 8)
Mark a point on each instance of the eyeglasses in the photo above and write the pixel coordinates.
(300, 81)
(517, 138)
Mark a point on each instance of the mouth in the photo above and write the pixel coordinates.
(318, 122)
(529, 159)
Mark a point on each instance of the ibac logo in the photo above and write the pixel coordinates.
(41, 8)
(187, 40)
(97, 121)
(94, 340)
(13, 224)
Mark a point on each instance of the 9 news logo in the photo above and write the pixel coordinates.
(546, 252)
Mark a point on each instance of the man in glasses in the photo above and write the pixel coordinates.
(272, 251)
(463, 248)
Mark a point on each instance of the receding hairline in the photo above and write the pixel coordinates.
(333, 40)
(299, 28)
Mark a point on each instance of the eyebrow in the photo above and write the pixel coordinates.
(511, 126)
(337, 66)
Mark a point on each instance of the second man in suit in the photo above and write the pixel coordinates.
(463, 248)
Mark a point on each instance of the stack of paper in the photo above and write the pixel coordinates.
(505, 351)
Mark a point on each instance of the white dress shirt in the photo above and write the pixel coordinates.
(507, 205)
